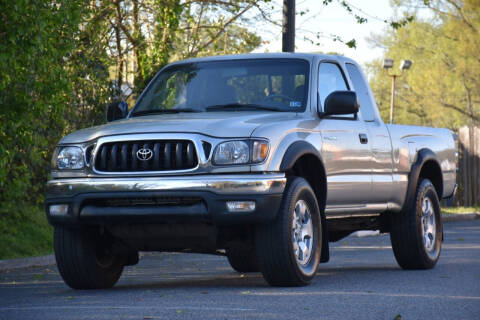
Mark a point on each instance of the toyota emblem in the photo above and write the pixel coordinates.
(144, 154)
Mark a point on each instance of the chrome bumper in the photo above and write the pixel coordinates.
(258, 184)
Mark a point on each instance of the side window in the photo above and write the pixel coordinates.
(361, 89)
(330, 78)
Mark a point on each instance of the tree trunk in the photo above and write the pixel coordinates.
(138, 75)
(118, 38)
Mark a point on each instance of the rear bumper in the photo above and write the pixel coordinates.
(88, 199)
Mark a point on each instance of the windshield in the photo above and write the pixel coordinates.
(260, 84)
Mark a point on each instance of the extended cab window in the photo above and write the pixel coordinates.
(361, 89)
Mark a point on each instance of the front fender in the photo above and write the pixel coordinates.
(295, 151)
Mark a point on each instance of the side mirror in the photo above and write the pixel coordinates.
(117, 110)
(340, 102)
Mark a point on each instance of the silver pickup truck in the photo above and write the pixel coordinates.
(265, 158)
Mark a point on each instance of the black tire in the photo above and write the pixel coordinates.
(274, 243)
(83, 259)
(242, 258)
(407, 230)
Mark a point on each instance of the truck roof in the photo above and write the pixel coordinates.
(276, 55)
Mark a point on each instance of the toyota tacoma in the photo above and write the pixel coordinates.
(264, 158)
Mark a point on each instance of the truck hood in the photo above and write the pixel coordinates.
(228, 124)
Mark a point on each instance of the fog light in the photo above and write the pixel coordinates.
(58, 209)
(240, 206)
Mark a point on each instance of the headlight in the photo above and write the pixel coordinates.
(68, 158)
(232, 152)
(240, 152)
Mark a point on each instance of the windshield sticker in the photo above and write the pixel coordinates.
(295, 104)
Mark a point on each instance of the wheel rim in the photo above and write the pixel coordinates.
(302, 233)
(428, 224)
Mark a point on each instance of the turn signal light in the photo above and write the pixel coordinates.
(241, 206)
(260, 151)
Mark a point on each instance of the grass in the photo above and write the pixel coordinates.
(32, 236)
(460, 210)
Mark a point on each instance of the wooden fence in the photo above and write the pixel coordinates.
(468, 176)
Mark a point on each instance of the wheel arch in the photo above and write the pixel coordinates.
(303, 160)
(425, 166)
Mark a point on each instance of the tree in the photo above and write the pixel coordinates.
(88, 67)
(36, 40)
(442, 88)
(144, 35)
(202, 32)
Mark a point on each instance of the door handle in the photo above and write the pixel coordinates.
(363, 138)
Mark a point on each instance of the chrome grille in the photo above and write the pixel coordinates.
(158, 155)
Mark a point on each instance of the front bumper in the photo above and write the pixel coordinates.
(86, 198)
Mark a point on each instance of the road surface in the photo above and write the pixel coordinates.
(361, 281)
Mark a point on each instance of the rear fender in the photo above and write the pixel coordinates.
(423, 156)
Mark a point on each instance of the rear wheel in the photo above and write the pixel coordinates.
(85, 259)
(288, 250)
(416, 233)
(242, 258)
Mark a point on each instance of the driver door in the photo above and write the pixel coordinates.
(346, 148)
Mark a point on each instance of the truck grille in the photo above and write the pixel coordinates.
(155, 155)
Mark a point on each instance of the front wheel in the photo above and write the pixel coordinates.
(288, 250)
(242, 258)
(85, 259)
(416, 233)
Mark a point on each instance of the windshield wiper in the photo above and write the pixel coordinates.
(240, 106)
(156, 111)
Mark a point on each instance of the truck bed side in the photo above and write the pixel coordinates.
(407, 141)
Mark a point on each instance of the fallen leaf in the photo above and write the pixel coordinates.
(38, 276)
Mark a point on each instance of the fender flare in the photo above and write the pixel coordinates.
(294, 152)
(423, 155)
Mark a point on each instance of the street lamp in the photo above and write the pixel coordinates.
(388, 64)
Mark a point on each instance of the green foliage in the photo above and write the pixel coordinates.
(30, 236)
(352, 43)
(36, 38)
(166, 22)
(442, 88)
(87, 67)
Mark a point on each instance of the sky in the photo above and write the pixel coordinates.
(332, 19)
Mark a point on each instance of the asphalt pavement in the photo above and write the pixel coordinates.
(361, 281)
